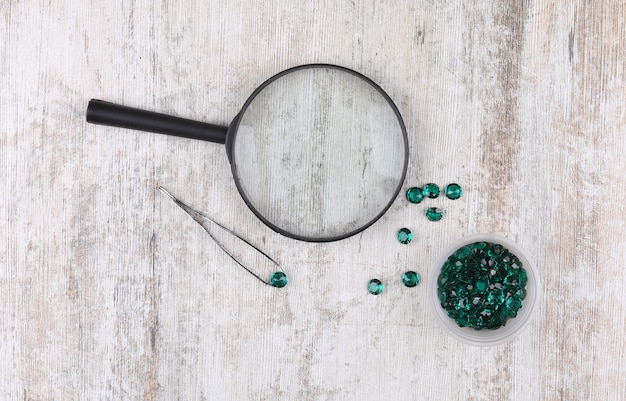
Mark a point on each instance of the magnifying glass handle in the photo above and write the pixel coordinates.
(115, 115)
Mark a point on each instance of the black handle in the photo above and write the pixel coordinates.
(115, 115)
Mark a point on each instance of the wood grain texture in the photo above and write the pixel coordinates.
(109, 291)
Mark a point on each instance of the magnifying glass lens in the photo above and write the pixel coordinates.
(319, 153)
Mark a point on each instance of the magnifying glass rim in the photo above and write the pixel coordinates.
(232, 134)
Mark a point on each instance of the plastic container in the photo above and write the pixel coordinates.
(514, 326)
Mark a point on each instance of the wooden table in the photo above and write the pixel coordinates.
(108, 291)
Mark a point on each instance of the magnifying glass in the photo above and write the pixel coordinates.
(318, 152)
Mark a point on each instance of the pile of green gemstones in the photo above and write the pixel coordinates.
(482, 285)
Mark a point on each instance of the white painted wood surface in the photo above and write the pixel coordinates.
(109, 291)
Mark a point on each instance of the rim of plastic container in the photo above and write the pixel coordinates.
(514, 326)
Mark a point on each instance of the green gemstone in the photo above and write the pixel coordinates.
(442, 279)
(520, 294)
(278, 279)
(431, 190)
(414, 195)
(478, 322)
(522, 277)
(496, 250)
(463, 321)
(495, 322)
(496, 297)
(453, 191)
(481, 286)
(375, 287)
(443, 297)
(513, 305)
(462, 292)
(410, 279)
(463, 252)
(404, 235)
(434, 213)
(479, 245)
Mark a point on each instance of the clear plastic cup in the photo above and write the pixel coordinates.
(514, 326)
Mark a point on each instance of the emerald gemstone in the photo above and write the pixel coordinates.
(441, 280)
(278, 279)
(463, 320)
(495, 322)
(496, 250)
(434, 214)
(431, 190)
(496, 297)
(462, 292)
(479, 245)
(463, 252)
(404, 235)
(478, 322)
(513, 305)
(482, 285)
(522, 277)
(414, 195)
(443, 297)
(375, 287)
(453, 191)
(410, 279)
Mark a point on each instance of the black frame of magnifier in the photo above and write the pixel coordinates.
(232, 134)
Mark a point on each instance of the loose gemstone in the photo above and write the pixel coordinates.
(404, 235)
(414, 195)
(453, 191)
(279, 279)
(431, 190)
(434, 214)
(375, 287)
(481, 285)
(410, 279)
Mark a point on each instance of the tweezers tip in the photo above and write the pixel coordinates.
(166, 192)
